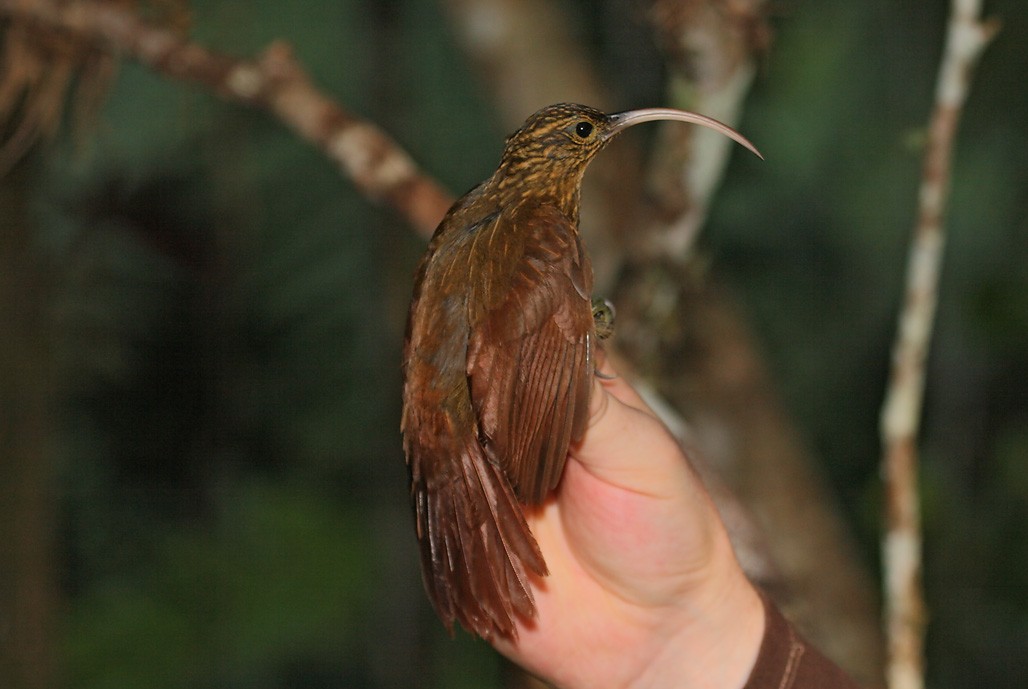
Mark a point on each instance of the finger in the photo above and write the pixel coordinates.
(625, 444)
(630, 505)
(610, 381)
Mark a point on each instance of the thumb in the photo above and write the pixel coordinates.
(626, 445)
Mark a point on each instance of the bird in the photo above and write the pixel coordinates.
(498, 359)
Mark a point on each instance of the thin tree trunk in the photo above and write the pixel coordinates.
(905, 616)
(27, 576)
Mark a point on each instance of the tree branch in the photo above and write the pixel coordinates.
(966, 37)
(274, 81)
(711, 48)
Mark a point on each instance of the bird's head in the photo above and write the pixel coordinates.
(550, 151)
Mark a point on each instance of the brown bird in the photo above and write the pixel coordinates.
(498, 363)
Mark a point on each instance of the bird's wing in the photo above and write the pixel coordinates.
(530, 350)
(477, 552)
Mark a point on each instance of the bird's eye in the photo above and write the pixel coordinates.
(584, 129)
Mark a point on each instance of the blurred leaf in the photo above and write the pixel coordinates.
(280, 571)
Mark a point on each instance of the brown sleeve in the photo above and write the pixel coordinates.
(787, 661)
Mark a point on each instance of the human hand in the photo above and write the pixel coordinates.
(644, 589)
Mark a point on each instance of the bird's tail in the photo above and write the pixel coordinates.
(476, 547)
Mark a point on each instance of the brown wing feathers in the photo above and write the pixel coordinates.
(480, 436)
(529, 359)
(476, 549)
(533, 405)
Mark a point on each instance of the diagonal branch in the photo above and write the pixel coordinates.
(966, 37)
(712, 49)
(274, 81)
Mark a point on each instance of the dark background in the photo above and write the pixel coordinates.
(224, 315)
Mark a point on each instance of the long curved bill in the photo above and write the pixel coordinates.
(622, 120)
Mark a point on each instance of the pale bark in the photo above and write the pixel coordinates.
(905, 616)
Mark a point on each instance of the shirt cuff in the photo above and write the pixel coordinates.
(787, 661)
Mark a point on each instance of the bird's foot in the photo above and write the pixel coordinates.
(603, 321)
(603, 317)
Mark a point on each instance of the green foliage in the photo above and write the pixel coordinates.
(277, 571)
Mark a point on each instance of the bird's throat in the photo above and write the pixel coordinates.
(542, 185)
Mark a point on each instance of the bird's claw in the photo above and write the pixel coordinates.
(603, 322)
(603, 317)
